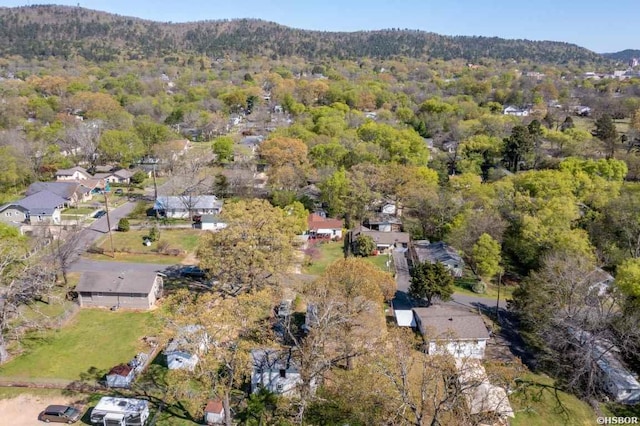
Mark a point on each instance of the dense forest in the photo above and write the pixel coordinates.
(58, 31)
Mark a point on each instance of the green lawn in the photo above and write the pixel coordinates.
(327, 253)
(78, 211)
(94, 338)
(538, 406)
(381, 262)
(131, 241)
(491, 293)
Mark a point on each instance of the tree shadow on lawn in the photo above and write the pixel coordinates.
(151, 386)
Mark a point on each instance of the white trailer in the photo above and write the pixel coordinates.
(112, 411)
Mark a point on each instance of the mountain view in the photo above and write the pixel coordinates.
(43, 31)
(238, 222)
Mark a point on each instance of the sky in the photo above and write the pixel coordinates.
(607, 26)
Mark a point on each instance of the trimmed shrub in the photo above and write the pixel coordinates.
(123, 225)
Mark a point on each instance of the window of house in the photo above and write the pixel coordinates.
(8, 214)
(279, 387)
(283, 373)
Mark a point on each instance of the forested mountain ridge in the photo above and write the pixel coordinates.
(623, 55)
(63, 31)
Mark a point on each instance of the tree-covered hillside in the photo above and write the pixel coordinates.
(43, 31)
(623, 55)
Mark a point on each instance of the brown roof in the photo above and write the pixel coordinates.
(316, 221)
(214, 406)
(120, 370)
(449, 320)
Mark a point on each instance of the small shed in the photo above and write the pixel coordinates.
(214, 412)
(120, 376)
(210, 222)
(182, 352)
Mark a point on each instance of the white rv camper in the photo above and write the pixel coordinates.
(112, 411)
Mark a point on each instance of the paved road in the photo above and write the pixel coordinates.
(86, 265)
(402, 301)
(509, 327)
(99, 227)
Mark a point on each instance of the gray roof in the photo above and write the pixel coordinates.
(40, 203)
(273, 360)
(251, 140)
(385, 238)
(63, 189)
(71, 171)
(437, 252)
(211, 218)
(117, 282)
(449, 320)
(382, 219)
(123, 173)
(195, 202)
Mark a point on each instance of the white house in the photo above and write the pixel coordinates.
(75, 173)
(321, 227)
(186, 206)
(209, 222)
(182, 352)
(615, 378)
(452, 330)
(275, 370)
(214, 412)
(119, 176)
(518, 112)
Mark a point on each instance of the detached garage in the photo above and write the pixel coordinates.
(127, 289)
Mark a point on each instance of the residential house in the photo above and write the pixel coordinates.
(616, 379)
(120, 376)
(214, 413)
(321, 227)
(249, 146)
(276, 370)
(183, 351)
(384, 240)
(186, 206)
(73, 192)
(126, 289)
(384, 223)
(518, 112)
(208, 222)
(119, 176)
(453, 330)
(43, 206)
(73, 174)
(599, 281)
(450, 146)
(440, 252)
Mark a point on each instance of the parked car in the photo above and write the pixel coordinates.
(119, 191)
(99, 214)
(60, 414)
(192, 272)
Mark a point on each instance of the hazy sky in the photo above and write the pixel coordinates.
(602, 26)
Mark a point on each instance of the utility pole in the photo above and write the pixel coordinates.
(106, 206)
(155, 185)
(498, 299)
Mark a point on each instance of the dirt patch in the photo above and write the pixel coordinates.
(23, 410)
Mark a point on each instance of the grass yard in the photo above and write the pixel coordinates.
(325, 254)
(381, 262)
(78, 211)
(322, 255)
(540, 406)
(94, 338)
(131, 241)
(491, 293)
